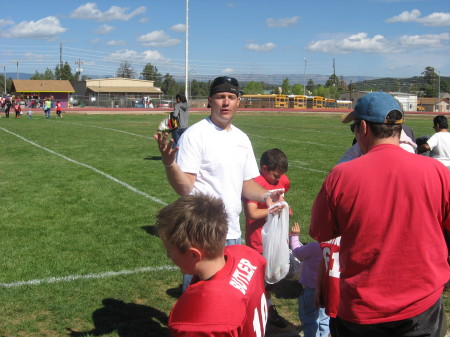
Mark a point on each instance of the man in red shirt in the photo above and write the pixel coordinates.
(391, 209)
(226, 296)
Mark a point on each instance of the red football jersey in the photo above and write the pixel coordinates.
(231, 303)
(330, 280)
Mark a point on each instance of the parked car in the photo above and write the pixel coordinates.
(165, 104)
(139, 103)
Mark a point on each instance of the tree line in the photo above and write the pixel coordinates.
(427, 85)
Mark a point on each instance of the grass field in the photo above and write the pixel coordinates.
(78, 197)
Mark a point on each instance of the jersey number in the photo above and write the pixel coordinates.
(259, 328)
(331, 260)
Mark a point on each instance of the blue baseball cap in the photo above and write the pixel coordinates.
(374, 107)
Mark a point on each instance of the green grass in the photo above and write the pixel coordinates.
(62, 218)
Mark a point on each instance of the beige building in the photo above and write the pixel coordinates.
(115, 92)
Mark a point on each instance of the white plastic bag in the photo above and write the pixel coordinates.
(275, 237)
(164, 125)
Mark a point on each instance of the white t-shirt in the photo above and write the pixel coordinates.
(439, 144)
(222, 161)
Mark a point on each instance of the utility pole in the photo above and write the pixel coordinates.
(78, 70)
(60, 59)
(304, 78)
(17, 71)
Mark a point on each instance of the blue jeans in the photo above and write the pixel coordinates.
(176, 135)
(315, 323)
(188, 278)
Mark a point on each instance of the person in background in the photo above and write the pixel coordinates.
(315, 322)
(226, 296)
(17, 109)
(273, 166)
(58, 109)
(391, 209)
(47, 107)
(439, 143)
(180, 111)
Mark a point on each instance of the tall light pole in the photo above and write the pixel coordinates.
(4, 76)
(439, 90)
(186, 66)
(17, 71)
(304, 78)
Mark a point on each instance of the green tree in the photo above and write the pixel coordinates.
(286, 87)
(310, 86)
(199, 89)
(125, 70)
(65, 73)
(254, 88)
(298, 89)
(431, 82)
(169, 86)
(151, 73)
(333, 81)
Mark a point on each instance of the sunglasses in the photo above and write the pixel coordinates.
(353, 126)
(222, 79)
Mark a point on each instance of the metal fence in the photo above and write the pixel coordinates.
(131, 101)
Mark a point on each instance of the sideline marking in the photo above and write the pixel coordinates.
(109, 129)
(84, 277)
(91, 168)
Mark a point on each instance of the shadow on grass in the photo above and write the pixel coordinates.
(153, 158)
(288, 289)
(127, 320)
(150, 230)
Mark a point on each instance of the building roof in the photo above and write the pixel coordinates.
(42, 86)
(143, 90)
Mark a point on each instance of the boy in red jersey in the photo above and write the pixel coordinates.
(226, 296)
(273, 165)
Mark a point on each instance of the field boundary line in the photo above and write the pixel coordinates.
(71, 278)
(89, 167)
(108, 129)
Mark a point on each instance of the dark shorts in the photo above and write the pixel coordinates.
(426, 324)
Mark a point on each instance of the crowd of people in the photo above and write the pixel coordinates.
(48, 103)
(379, 262)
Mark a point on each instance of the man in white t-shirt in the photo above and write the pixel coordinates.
(439, 143)
(214, 157)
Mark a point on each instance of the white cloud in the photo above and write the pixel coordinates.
(427, 40)
(148, 56)
(103, 29)
(179, 28)
(354, 43)
(157, 38)
(116, 43)
(5, 22)
(96, 40)
(434, 19)
(143, 20)
(44, 29)
(37, 57)
(261, 47)
(89, 11)
(282, 23)
(227, 71)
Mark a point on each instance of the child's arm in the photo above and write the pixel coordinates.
(296, 245)
(253, 212)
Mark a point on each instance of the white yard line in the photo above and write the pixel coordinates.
(89, 167)
(109, 129)
(71, 278)
(89, 276)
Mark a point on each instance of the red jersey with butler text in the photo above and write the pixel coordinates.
(231, 303)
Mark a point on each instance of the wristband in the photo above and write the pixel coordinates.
(173, 163)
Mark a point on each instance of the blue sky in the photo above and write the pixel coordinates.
(381, 38)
